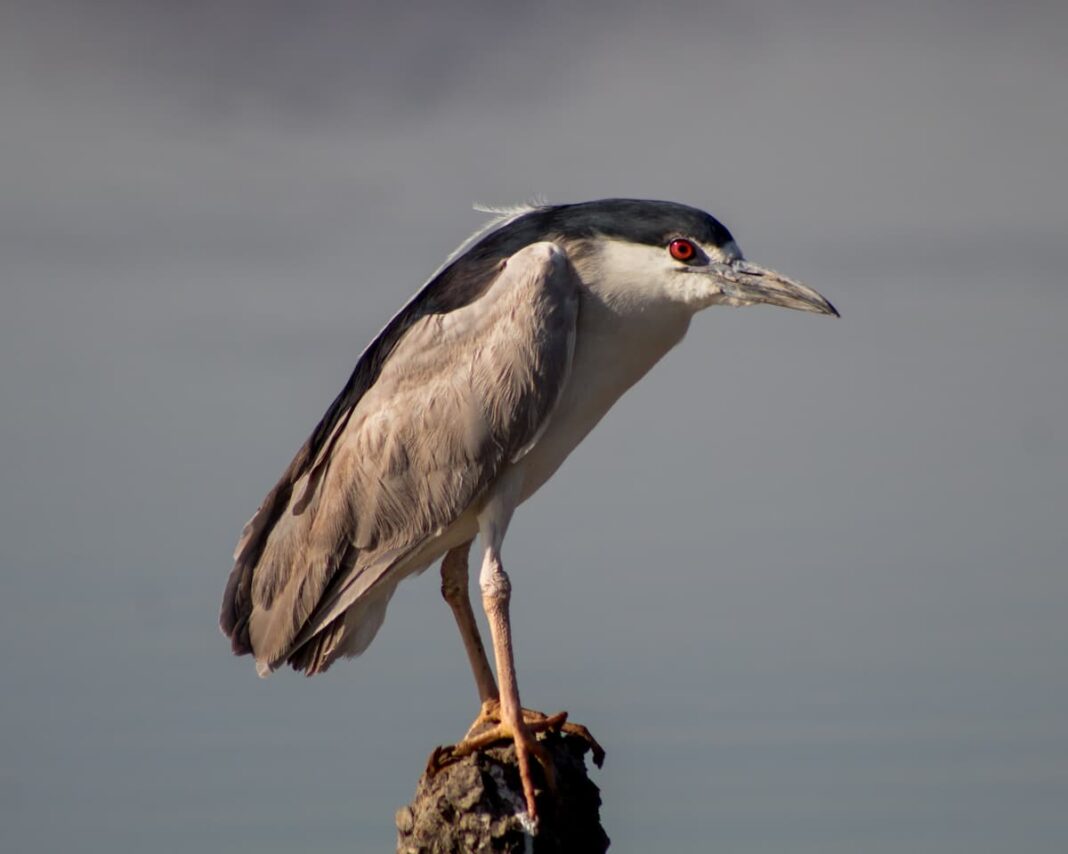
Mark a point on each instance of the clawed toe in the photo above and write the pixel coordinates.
(581, 732)
(488, 730)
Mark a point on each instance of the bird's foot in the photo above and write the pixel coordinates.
(489, 721)
(489, 729)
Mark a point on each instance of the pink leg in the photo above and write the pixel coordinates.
(454, 589)
(502, 717)
(496, 593)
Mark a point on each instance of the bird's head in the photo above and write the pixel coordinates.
(638, 252)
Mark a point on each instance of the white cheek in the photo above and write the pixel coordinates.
(636, 278)
(695, 290)
(633, 274)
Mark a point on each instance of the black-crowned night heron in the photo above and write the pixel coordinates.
(461, 408)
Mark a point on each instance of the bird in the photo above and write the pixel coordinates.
(459, 410)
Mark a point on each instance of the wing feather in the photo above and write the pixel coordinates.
(460, 395)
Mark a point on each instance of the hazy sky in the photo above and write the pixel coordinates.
(806, 583)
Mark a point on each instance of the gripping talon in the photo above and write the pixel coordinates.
(488, 730)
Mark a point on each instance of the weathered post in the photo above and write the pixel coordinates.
(475, 805)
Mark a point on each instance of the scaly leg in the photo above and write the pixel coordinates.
(485, 730)
(454, 590)
(496, 594)
(501, 716)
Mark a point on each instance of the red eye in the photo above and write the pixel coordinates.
(682, 250)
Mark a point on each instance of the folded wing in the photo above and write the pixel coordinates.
(461, 394)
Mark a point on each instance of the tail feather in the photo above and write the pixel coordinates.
(299, 540)
(346, 636)
(301, 591)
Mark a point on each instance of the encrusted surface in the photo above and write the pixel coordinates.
(476, 805)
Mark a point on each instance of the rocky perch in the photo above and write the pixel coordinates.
(476, 805)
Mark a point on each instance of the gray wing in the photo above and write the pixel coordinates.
(464, 278)
(460, 395)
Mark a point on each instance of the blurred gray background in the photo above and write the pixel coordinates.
(807, 582)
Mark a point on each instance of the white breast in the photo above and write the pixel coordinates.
(613, 350)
